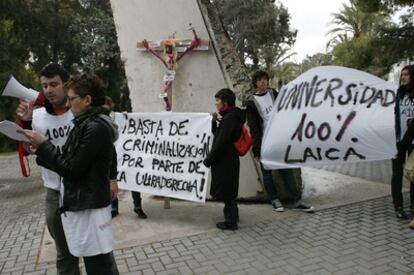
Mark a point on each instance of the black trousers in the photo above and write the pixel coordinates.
(231, 212)
(136, 197)
(99, 264)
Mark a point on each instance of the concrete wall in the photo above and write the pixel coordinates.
(198, 75)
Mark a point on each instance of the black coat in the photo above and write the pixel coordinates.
(223, 157)
(86, 175)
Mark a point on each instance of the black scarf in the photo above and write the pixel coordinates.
(80, 122)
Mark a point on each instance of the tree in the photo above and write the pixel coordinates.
(401, 34)
(79, 34)
(259, 29)
(355, 43)
(353, 23)
(94, 37)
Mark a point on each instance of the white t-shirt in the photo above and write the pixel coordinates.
(56, 128)
(264, 105)
(406, 113)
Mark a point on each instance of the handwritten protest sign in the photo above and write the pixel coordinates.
(331, 115)
(162, 153)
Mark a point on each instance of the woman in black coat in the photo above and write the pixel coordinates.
(223, 157)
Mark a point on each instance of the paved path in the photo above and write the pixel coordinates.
(357, 238)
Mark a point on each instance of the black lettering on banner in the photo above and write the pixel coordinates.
(364, 94)
(132, 161)
(317, 154)
(178, 128)
(348, 90)
(324, 130)
(378, 96)
(389, 99)
(317, 90)
(121, 177)
(331, 88)
(351, 151)
(167, 166)
(172, 184)
(195, 166)
(143, 127)
(329, 152)
(167, 148)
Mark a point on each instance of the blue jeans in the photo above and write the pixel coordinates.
(291, 186)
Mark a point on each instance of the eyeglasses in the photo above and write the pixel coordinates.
(73, 98)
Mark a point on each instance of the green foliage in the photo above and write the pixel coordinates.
(259, 30)
(79, 34)
(316, 60)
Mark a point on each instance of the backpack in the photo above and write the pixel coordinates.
(244, 142)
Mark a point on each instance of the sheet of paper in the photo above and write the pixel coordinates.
(11, 130)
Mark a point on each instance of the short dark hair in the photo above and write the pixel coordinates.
(227, 96)
(88, 84)
(53, 69)
(259, 75)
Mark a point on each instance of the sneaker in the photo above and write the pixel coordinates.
(305, 208)
(226, 226)
(277, 206)
(411, 224)
(140, 213)
(399, 212)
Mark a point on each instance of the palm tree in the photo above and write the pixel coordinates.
(352, 23)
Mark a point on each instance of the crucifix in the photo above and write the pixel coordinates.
(169, 51)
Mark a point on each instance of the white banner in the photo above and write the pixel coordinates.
(162, 153)
(331, 115)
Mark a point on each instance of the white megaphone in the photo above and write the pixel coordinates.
(15, 89)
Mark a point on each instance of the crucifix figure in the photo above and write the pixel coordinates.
(172, 51)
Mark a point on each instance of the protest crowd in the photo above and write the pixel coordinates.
(80, 167)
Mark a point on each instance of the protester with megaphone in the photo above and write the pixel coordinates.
(54, 120)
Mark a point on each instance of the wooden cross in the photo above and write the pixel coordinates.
(172, 51)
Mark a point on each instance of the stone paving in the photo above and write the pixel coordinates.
(359, 238)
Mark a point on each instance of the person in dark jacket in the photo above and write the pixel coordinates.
(258, 109)
(404, 126)
(223, 157)
(85, 166)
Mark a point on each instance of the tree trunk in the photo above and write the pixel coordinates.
(236, 73)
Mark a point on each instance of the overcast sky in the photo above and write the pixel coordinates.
(311, 18)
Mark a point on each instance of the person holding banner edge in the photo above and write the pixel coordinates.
(136, 196)
(223, 158)
(258, 109)
(404, 128)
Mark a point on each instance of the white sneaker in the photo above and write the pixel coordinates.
(277, 206)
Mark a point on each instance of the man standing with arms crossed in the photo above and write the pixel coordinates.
(258, 109)
(54, 120)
